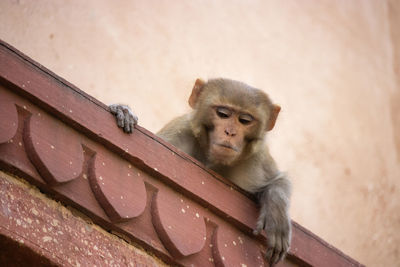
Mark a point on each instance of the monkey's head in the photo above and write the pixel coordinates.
(230, 119)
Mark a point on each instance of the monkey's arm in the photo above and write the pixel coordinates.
(126, 119)
(274, 217)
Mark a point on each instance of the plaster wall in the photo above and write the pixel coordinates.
(333, 66)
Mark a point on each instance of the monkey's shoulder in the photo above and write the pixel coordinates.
(177, 127)
(178, 132)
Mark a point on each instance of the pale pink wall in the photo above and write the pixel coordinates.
(332, 65)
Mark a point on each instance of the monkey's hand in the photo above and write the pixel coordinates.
(274, 218)
(126, 119)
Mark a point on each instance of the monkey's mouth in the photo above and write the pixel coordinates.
(223, 153)
(227, 145)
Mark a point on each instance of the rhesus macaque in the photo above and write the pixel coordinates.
(226, 131)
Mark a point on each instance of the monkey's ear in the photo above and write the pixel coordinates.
(272, 118)
(197, 88)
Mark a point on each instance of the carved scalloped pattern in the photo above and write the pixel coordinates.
(175, 219)
(117, 186)
(53, 148)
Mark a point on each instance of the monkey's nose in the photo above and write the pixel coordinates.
(230, 132)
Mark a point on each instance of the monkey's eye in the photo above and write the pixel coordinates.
(245, 119)
(223, 112)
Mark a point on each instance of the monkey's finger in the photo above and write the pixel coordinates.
(135, 119)
(113, 108)
(281, 255)
(277, 250)
(120, 118)
(285, 247)
(259, 226)
(271, 246)
(271, 240)
(268, 255)
(275, 245)
(131, 125)
(128, 126)
(274, 257)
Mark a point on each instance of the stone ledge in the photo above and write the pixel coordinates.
(136, 185)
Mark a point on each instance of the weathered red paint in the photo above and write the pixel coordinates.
(136, 185)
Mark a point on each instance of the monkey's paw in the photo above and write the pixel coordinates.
(126, 119)
(278, 237)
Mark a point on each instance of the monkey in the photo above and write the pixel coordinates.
(226, 131)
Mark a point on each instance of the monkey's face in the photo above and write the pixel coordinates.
(227, 136)
(229, 120)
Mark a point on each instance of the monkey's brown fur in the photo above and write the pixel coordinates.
(226, 131)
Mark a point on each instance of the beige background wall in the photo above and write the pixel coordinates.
(334, 67)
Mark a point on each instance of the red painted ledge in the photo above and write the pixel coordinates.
(136, 185)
